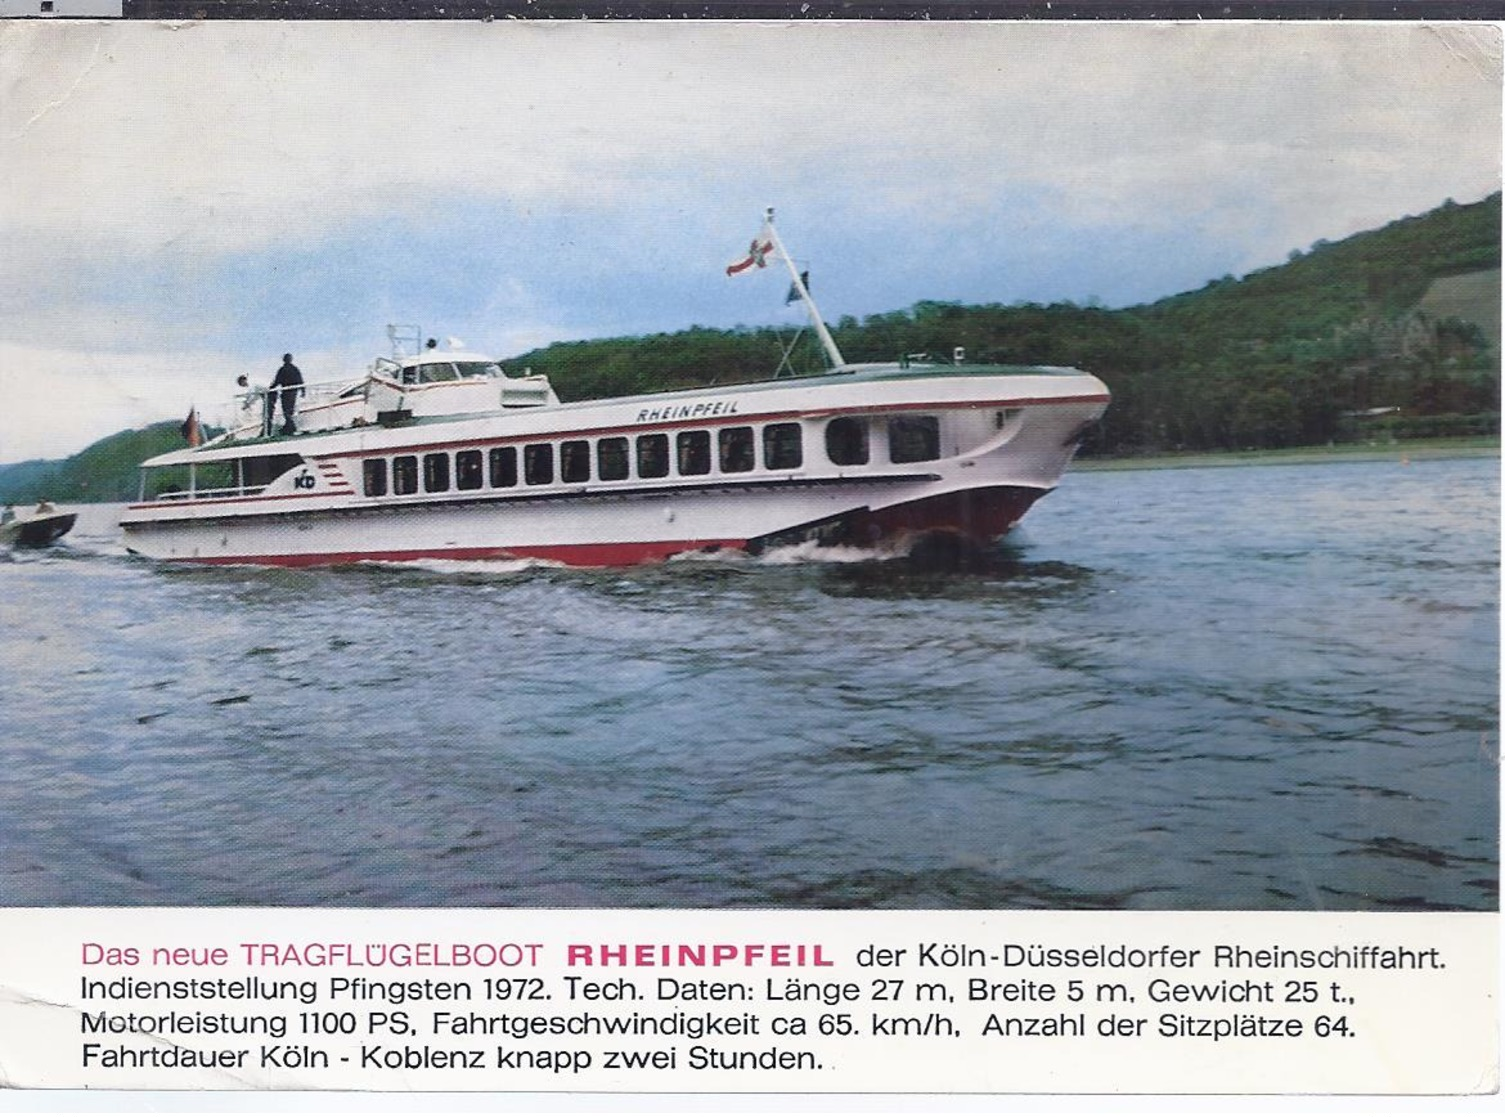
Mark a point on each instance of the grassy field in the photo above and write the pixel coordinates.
(1410, 450)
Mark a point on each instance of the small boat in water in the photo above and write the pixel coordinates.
(441, 454)
(35, 529)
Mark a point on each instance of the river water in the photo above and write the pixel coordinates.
(1236, 688)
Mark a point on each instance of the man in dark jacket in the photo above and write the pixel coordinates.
(290, 380)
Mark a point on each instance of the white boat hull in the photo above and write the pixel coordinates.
(1009, 438)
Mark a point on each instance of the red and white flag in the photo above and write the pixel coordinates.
(759, 252)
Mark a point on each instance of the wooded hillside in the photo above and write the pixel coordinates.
(1284, 356)
(106, 471)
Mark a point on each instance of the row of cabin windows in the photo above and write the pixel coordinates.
(911, 438)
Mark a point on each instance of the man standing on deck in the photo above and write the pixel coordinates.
(290, 380)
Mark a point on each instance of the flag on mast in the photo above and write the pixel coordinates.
(190, 427)
(794, 291)
(758, 253)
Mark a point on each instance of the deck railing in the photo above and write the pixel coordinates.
(321, 406)
(207, 494)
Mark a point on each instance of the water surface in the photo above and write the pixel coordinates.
(1194, 689)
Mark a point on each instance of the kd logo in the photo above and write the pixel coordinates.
(303, 481)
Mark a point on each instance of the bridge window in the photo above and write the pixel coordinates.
(405, 475)
(574, 462)
(468, 471)
(653, 455)
(375, 472)
(470, 370)
(503, 460)
(435, 473)
(538, 463)
(693, 449)
(914, 438)
(846, 441)
(736, 446)
(781, 446)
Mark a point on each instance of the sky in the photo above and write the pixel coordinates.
(181, 203)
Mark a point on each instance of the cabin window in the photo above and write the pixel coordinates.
(574, 462)
(736, 447)
(433, 374)
(781, 446)
(503, 467)
(538, 463)
(263, 471)
(914, 438)
(435, 473)
(693, 450)
(405, 475)
(846, 441)
(217, 476)
(468, 471)
(653, 455)
(375, 472)
(611, 459)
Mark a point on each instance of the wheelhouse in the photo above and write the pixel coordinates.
(442, 368)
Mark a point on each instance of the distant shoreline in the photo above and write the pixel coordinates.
(1421, 449)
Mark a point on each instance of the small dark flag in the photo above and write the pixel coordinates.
(190, 427)
(794, 290)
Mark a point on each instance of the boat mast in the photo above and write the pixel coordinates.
(832, 353)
